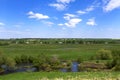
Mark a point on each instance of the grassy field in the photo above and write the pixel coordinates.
(62, 76)
(69, 51)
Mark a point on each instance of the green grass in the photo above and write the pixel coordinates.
(65, 76)
(70, 51)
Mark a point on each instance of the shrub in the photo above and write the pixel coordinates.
(41, 61)
(109, 64)
(80, 59)
(24, 58)
(115, 53)
(115, 63)
(46, 63)
(104, 54)
(8, 62)
(18, 60)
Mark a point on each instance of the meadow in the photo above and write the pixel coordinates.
(63, 51)
(62, 76)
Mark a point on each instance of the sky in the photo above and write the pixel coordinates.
(59, 19)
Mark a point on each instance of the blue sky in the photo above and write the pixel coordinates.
(59, 19)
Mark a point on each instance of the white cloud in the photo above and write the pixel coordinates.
(73, 22)
(61, 4)
(37, 15)
(2, 24)
(69, 16)
(58, 6)
(81, 12)
(91, 22)
(111, 5)
(60, 24)
(87, 10)
(90, 8)
(65, 1)
(49, 23)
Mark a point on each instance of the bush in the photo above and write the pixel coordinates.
(80, 59)
(116, 53)
(104, 54)
(24, 59)
(115, 63)
(41, 61)
(8, 62)
(46, 63)
(4, 43)
(18, 60)
(109, 64)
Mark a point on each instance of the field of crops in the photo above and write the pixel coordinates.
(62, 76)
(69, 51)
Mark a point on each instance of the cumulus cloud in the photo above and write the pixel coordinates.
(73, 22)
(48, 23)
(69, 16)
(61, 4)
(81, 12)
(37, 15)
(58, 6)
(111, 5)
(91, 22)
(65, 1)
(2, 24)
(60, 24)
(90, 8)
(87, 10)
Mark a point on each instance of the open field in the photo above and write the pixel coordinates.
(62, 76)
(65, 51)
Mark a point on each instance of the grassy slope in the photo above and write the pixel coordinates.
(65, 76)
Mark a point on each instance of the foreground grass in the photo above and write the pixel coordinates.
(62, 76)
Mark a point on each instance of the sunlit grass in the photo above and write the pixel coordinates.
(62, 76)
(70, 51)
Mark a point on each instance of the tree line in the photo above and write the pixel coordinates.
(59, 41)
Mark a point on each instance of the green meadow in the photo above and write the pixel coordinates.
(62, 76)
(63, 51)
